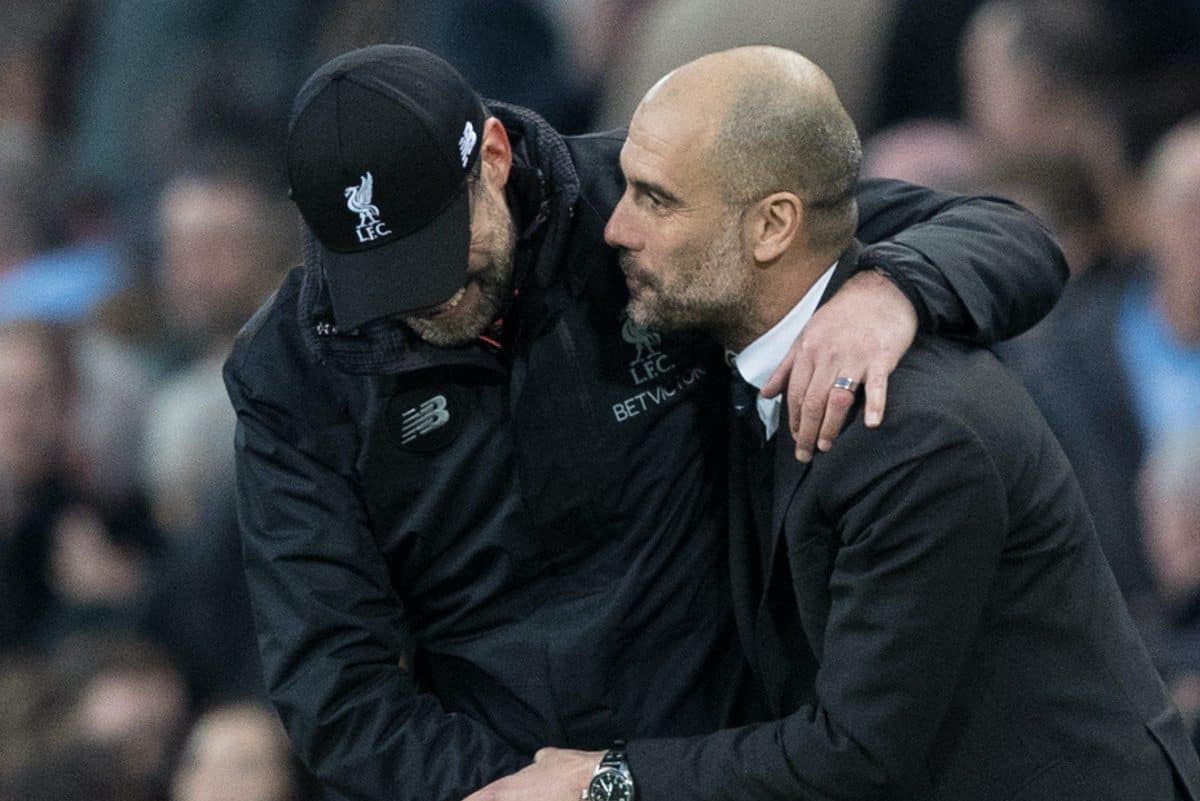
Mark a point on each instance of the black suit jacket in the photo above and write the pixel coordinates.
(935, 619)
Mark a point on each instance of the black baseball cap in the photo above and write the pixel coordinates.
(380, 143)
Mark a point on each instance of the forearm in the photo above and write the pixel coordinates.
(331, 637)
(976, 268)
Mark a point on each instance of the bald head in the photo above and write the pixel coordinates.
(771, 121)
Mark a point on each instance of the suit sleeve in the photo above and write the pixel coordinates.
(330, 628)
(921, 532)
(976, 268)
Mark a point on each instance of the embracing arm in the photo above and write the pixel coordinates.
(330, 628)
(974, 268)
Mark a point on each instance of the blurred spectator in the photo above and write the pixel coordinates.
(36, 388)
(844, 38)
(1063, 193)
(125, 696)
(1172, 211)
(199, 609)
(66, 560)
(510, 50)
(29, 33)
(1117, 365)
(237, 752)
(98, 569)
(157, 78)
(22, 697)
(1049, 80)
(115, 376)
(938, 153)
(918, 75)
(20, 224)
(1170, 504)
(75, 773)
(225, 244)
(1039, 77)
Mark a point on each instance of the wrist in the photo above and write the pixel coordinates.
(879, 274)
(612, 779)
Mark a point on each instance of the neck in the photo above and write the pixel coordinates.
(780, 285)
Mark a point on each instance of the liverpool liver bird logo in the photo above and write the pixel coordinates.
(358, 199)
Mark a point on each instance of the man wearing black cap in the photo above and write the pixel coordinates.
(482, 509)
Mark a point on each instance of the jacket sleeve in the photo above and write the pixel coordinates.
(922, 515)
(976, 268)
(330, 626)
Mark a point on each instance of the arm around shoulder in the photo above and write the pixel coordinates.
(976, 268)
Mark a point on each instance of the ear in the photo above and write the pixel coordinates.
(773, 224)
(496, 152)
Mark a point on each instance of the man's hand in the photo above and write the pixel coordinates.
(860, 333)
(555, 775)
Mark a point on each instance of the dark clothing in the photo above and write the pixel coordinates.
(1071, 365)
(25, 593)
(936, 620)
(198, 609)
(540, 527)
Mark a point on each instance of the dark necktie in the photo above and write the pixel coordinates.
(757, 460)
(744, 397)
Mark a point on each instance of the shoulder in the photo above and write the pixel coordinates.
(270, 359)
(597, 161)
(947, 404)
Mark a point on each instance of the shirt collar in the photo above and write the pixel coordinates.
(758, 360)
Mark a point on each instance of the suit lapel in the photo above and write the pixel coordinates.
(789, 472)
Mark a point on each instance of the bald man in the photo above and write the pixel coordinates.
(926, 606)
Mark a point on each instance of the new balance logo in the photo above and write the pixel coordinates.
(419, 420)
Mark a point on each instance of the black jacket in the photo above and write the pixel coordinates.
(537, 532)
(931, 617)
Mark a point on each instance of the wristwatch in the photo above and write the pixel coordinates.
(612, 780)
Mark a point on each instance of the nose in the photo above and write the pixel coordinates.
(620, 232)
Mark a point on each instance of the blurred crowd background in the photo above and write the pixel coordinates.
(143, 217)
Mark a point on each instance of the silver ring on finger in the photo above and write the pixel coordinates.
(848, 384)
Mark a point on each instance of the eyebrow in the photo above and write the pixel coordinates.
(657, 189)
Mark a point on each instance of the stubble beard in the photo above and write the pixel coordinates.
(494, 281)
(713, 296)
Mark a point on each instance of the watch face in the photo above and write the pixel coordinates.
(610, 785)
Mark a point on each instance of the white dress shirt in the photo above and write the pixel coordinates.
(760, 358)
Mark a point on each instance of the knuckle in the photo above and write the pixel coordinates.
(812, 407)
(841, 401)
(809, 345)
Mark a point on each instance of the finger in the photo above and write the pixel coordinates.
(840, 401)
(798, 384)
(542, 754)
(876, 390)
(782, 376)
(811, 411)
